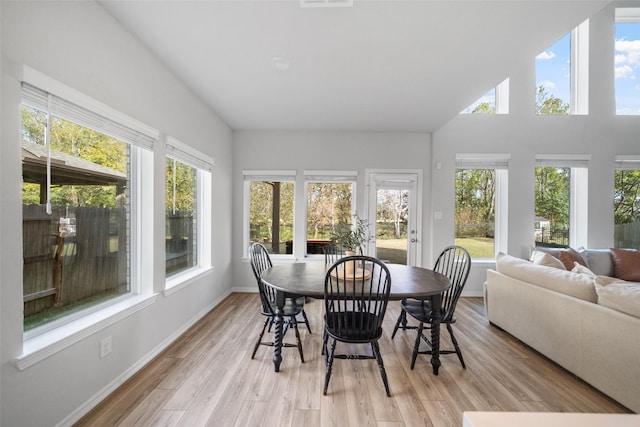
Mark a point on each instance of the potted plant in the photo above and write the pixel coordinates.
(350, 237)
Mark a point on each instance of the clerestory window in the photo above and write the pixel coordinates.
(627, 61)
(562, 75)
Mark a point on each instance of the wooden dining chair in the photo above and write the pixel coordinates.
(356, 294)
(455, 263)
(260, 261)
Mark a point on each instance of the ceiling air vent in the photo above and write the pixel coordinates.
(326, 3)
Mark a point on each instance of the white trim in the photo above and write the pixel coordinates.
(185, 278)
(43, 346)
(502, 97)
(579, 55)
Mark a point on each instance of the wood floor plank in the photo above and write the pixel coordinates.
(207, 377)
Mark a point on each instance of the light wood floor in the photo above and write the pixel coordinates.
(207, 378)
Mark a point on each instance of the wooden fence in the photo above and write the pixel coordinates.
(627, 235)
(180, 242)
(64, 265)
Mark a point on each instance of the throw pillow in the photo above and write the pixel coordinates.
(626, 264)
(621, 296)
(569, 256)
(543, 258)
(581, 269)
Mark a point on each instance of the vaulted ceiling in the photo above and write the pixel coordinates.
(380, 65)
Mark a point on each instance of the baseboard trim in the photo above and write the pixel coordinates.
(84, 409)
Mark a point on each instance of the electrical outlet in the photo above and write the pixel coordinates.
(105, 346)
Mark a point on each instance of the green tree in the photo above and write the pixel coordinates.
(484, 108)
(475, 198)
(626, 199)
(79, 141)
(547, 104)
(180, 196)
(552, 194)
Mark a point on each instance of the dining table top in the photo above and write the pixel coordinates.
(307, 279)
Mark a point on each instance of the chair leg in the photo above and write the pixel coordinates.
(264, 326)
(402, 318)
(376, 351)
(325, 337)
(306, 321)
(416, 345)
(455, 345)
(329, 358)
(298, 341)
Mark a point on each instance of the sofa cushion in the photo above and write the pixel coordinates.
(598, 260)
(572, 284)
(626, 264)
(569, 256)
(618, 295)
(582, 269)
(543, 258)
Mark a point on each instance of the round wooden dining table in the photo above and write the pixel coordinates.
(307, 279)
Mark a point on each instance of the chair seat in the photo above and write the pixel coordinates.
(292, 307)
(353, 326)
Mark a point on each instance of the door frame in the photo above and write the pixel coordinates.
(412, 175)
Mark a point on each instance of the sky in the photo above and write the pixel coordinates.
(553, 70)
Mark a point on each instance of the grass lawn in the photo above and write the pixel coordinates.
(395, 250)
(478, 247)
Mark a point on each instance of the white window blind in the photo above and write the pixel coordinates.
(482, 161)
(563, 161)
(330, 176)
(185, 154)
(269, 175)
(38, 98)
(628, 162)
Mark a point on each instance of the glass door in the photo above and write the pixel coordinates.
(393, 202)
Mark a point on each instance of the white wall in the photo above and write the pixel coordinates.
(325, 151)
(81, 46)
(523, 135)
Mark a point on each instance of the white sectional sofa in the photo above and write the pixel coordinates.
(585, 320)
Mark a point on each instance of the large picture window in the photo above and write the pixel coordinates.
(187, 199)
(481, 204)
(561, 201)
(77, 169)
(270, 199)
(330, 205)
(626, 203)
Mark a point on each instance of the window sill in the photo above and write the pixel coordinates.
(45, 345)
(182, 280)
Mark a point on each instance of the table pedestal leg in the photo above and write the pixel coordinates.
(436, 302)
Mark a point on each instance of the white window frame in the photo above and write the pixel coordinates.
(266, 175)
(328, 177)
(500, 163)
(578, 192)
(175, 149)
(46, 340)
